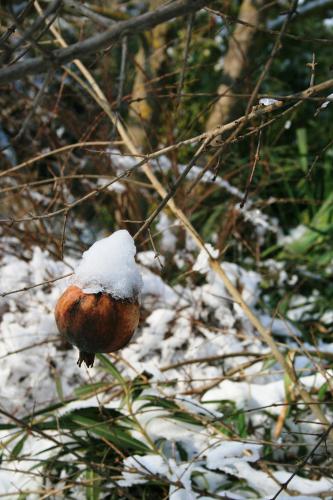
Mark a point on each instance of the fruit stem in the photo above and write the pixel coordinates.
(87, 357)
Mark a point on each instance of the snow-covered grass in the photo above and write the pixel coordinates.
(194, 407)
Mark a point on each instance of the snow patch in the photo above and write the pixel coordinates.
(109, 266)
(267, 101)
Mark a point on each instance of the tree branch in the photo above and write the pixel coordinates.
(102, 40)
(308, 9)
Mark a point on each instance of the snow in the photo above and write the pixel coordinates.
(116, 186)
(254, 396)
(181, 324)
(267, 101)
(109, 266)
(155, 291)
(264, 484)
(143, 466)
(202, 263)
(169, 240)
(294, 234)
(326, 103)
(328, 22)
(139, 468)
(258, 219)
(149, 259)
(279, 326)
(232, 452)
(231, 458)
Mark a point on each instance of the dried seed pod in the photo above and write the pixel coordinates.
(95, 322)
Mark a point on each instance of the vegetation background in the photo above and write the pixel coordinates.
(202, 127)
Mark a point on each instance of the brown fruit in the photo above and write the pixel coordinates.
(95, 322)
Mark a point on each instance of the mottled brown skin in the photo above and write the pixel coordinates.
(95, 322)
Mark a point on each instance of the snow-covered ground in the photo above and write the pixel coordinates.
(182, 323)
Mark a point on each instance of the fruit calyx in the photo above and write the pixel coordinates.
(87, 357)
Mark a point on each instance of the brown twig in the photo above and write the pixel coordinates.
(185, 57)
(26, 288)
(101, 41)
(250, 178)
(323, 437)
(210, 359)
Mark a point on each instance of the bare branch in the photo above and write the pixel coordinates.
(27, 35)
(100, 41)
(186, 54)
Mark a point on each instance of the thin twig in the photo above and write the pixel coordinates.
(157, 255)
(323, 437)
(62, 243)
(52, 8)
(76, 7)
(35, 104)
(186, 53)
(41, 156)
(121, 80)
(210, 359)
(65, 178)
(26, 288)
(255, 113)
(101, 41)
(172, 191)
(250, 178)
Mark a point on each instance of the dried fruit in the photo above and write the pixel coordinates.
(95, 322)
(99, 311)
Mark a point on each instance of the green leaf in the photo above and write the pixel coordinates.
(185, 417)
(59, 389)
(302, 144)
(5, 427)
(241, 425)
(111, 368)
(159, 402)
(139, 384)
(18, 448)
(322, 391)
(90, 389)
(48, 409)
(93, 488)
(93, 413)
(114, 433)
